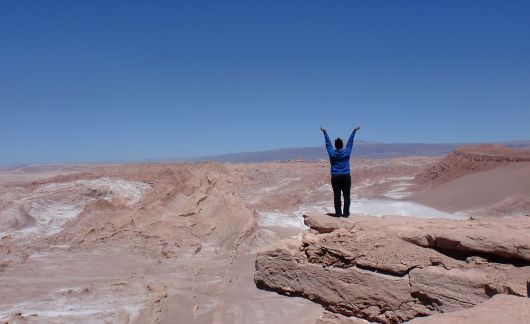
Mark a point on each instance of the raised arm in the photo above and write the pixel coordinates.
(349, 145)
(329, 147)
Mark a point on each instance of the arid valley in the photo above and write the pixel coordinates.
(264, 162)
(430, 239)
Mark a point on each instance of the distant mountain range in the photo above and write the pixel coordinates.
(361, 149)
(364, 150)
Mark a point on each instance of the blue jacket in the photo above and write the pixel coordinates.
(340, 159)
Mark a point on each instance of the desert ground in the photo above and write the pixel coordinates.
(211, 242)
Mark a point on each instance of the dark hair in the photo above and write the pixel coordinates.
(338, 143)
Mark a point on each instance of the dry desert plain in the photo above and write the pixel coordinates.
(430, 240)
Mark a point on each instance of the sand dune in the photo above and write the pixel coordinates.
(468, 160)
(502, 191)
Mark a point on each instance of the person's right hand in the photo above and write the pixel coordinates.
(356, 128)
(323, 129)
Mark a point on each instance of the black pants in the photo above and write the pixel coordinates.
(341, 183)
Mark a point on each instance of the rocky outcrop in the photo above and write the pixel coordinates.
(351, 291)
(391, 270)
(507, 237)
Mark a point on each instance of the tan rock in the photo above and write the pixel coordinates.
(448, 290)
(507, 237)
(332, 318)
(325, 224)
(388, 270)
(500, 309)
(366, 250)
(352, 291)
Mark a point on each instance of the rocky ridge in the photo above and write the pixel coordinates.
(394, 269)
(467, 160)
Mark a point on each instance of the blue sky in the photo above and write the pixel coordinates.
(85, 81)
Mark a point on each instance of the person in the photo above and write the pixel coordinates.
(339, 158)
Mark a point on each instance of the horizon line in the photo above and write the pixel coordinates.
(202, 158)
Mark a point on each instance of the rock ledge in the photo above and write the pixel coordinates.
(394, 269)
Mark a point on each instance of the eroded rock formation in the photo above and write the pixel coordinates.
(393, 269)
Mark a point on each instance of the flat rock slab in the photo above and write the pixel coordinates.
(507, 237)
(367, 250)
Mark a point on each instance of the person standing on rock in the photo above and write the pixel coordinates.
(340, 171)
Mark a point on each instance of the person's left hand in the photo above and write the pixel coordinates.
(323, 129)
(357, 128)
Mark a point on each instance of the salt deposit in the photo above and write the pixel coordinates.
(46, 209)
(131, 191)
(370, 207)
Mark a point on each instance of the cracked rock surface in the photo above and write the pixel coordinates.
(394, 269)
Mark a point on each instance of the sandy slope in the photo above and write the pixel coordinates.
(503, 190)
(468, 160)
(484, 180)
